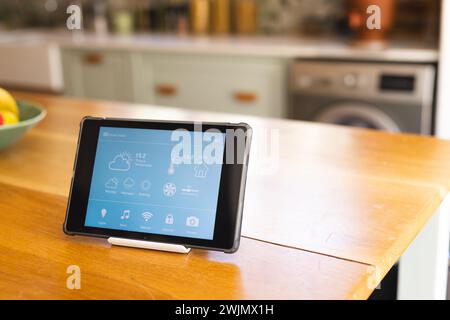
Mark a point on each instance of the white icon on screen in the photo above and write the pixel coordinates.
(121, 162)
(146, 185)
(147, 216)
(125, 215)
(174, 162)
(171, 170)
(192, 222)
(104, 212)
(128, 183)
(112, 183)
(201, 171)
(169, 219)
(169, 189)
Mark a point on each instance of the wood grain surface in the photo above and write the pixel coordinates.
(35, 254)
(342, 199)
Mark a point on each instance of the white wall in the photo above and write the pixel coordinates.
(443, 94)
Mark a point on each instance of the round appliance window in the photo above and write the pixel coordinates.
(358, 115)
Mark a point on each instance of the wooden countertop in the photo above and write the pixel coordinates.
(34, 264)
(341, 204)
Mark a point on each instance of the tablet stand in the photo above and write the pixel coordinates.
(149, 245)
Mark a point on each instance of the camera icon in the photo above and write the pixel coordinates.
(192, 222)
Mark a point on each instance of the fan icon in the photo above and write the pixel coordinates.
(169, 189)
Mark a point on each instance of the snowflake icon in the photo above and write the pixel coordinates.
(169, 189)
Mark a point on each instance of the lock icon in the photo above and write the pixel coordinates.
(169, 219)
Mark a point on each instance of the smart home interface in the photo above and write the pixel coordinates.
(144, 181)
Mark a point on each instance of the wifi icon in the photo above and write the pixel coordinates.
(147, 216)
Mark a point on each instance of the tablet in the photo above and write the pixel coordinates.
(170, 182)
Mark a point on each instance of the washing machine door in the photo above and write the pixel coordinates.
(358, 115)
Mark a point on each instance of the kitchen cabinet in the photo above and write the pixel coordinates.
(30, 63)
(226, 84)
(232, 84)
(97, 74)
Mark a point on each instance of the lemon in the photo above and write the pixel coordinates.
(7, 117)
(7, 102)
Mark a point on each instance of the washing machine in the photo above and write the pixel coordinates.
(381, 96)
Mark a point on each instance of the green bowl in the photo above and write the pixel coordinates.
(30, 115)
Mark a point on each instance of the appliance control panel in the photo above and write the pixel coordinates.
(368, 80)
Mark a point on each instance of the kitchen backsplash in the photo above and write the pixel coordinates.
(304, 16)
(415, 19)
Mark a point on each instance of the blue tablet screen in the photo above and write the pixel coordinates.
(156, 181)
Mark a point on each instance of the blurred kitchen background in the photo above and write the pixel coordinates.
(310, 60)
(414, 19)
(300, 59)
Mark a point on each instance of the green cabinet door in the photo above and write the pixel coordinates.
(98, 74)
(230, 84)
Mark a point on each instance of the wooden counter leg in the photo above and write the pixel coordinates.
(423, 268)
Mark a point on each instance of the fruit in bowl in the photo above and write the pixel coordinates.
(9, 112)
(16, 118)
(8, 117)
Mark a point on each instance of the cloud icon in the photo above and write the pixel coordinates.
(121, 162)
(112, 183)
(128, 183)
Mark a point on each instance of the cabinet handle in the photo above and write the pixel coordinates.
(166, 90)
(245, 97)
(93, 58)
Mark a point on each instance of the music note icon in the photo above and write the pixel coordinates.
(125, 215)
